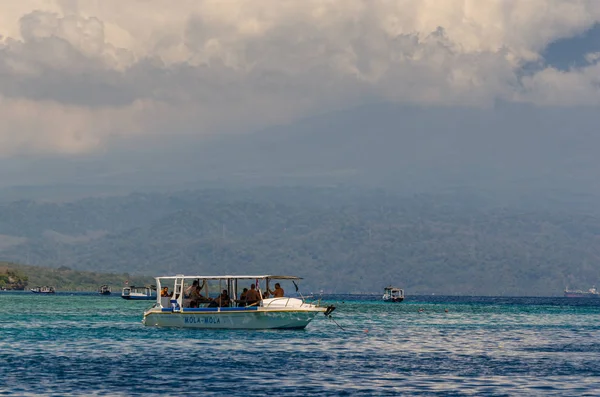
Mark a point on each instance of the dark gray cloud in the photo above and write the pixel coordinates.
(99, 75)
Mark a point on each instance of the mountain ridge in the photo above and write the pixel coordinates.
(344, 241)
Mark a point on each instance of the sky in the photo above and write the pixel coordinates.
(82, 78)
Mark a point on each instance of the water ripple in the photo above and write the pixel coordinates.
(86, 345)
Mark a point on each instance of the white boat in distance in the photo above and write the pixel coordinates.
(43, 290)
(179, 310)
(146, 293)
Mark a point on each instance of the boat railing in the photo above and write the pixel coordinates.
(278, 299)
(315, 302)
(311, 300)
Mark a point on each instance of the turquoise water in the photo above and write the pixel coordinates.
(84, 344)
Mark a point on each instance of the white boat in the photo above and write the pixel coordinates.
(139, 293)
(393, 294)
(179, 310)
(577, 293)
(43, 290)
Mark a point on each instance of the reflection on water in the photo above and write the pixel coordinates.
(93, 345)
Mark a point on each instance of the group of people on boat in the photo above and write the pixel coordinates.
(248, 297)
(252, 296)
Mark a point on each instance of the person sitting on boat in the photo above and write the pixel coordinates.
(195, 285)
(164, 292)
(196, 297)
(252, 296)
(243, 299)
(221, 301)
(278, 293)
(189, 290)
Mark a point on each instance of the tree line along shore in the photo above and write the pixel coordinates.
(14, 276)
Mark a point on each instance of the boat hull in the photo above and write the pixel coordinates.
(581, 295)
(139, 297)
(394, 300)
(232, 318)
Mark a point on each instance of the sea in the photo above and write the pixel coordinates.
(84, 344)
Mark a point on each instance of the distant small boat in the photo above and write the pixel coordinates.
(393, 294)
(590, 293)
(43, 290)
(104, 290)
(146, 293)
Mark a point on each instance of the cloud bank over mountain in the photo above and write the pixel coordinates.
(80, 77)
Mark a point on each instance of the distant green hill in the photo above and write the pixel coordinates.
(12, 278)
(340, 240)
(18, 276)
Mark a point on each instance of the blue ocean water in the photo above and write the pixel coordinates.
(86, 344)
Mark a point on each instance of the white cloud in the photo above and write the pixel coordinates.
(592, 57)
(76, 75)
(552, 87)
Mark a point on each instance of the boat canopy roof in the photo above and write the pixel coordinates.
(140, 286)
(273, 277)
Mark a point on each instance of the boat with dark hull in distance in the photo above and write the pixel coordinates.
(393, 294)
(104, 290)
(576, 293)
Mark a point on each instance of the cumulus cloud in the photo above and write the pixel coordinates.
(77, 76)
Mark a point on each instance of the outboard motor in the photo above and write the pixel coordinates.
(329, 310)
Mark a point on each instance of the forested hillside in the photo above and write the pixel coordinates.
(340, 240)
(15, 276)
